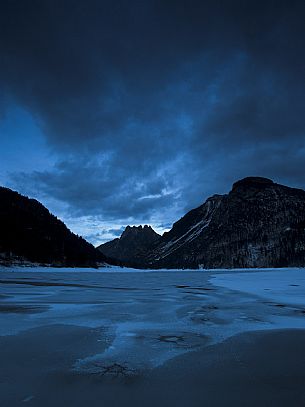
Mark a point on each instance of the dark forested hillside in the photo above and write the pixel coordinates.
(28, 231)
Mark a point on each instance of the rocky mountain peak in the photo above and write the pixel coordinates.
(252, 182)
(132, 243)
(138, 231)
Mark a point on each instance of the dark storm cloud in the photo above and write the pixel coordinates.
(155, 104)
(101, 189)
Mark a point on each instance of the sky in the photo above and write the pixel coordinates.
(134, 112)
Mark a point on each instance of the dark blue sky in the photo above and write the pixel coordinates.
(129, 112)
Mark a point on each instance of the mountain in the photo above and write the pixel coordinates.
(30, 233)
(257, 224)
(133, 244)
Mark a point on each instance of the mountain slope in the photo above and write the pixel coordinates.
(258, 224)
(134, 242)
(29, 232)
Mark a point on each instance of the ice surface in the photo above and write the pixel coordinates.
(284, 286)
(150, 317)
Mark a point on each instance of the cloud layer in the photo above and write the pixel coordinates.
(148, 107)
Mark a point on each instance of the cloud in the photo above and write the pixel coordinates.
(98, 188)
(149, 106)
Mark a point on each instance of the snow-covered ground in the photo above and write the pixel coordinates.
(284, 286)
(149, 317)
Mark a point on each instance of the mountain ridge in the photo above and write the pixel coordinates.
(259, 223)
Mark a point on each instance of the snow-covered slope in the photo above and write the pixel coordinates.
(188, 228)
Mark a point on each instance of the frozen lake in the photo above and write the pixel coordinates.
(144, 319)
(118, 337)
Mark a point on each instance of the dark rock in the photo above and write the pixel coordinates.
(134, 242)
(252, 182)
(258, 224)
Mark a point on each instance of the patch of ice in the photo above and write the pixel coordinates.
(287, 286)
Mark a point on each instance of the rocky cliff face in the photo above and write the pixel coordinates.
(133, 244)
(258, 224)
(30, 233)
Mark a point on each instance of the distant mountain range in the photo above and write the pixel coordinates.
(30, 233)
(257, 224)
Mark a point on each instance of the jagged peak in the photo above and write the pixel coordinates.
(138, 229)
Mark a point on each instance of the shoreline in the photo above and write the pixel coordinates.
(118, 269)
